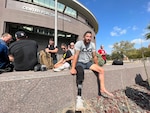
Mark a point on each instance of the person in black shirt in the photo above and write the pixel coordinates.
(65, 61)
(23, 52)
(50, 48)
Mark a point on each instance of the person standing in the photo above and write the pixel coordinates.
(23, 52)
(102, 52)
(84, 52)
(4, 59)
(50, 48)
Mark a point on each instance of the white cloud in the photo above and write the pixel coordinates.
(148, 7)
(134, 28)
(116, 28)
(117, 31)
(110, 46)
(123, 32)
(113, 33)
(140, 41)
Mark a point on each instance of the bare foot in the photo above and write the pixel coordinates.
(107, 93)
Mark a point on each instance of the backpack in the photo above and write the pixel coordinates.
(101, 62)
(117, 62)
(46, 59)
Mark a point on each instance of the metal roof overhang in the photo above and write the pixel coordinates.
(83, 10)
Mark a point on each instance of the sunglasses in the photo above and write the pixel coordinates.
(62, 48)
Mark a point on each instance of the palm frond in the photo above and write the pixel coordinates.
(147, 36)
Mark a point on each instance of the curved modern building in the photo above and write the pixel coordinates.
(37, 19)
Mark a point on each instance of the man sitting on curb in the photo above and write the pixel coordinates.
(23, 52)
(5, 64)
(84, 52)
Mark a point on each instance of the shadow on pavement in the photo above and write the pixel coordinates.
(139, 80)
(140, 98)
(71, 111)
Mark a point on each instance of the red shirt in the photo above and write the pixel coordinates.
(103, 53)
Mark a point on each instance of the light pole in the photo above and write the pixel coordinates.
(143, 57)
(56, 22)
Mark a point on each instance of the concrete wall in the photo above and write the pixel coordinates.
(47, 92)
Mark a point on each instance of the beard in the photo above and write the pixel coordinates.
(87, 41)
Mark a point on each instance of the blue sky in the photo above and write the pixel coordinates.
(120, 20)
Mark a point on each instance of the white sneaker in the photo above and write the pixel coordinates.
(61, 67)
(79, 104)
(56, 69)
(66, 68)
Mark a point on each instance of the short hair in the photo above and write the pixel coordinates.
(63, 44)
(101, 46)
(4, 34)
(87, 33)
(71, 43)
(51, 39)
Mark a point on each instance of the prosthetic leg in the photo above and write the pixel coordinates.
(79, 81)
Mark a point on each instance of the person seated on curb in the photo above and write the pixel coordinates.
(50, 48)
(84, 52)
(65, 61)
(23, 52)
(72, 48)
(5, 64)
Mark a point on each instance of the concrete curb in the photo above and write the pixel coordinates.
(48, 92)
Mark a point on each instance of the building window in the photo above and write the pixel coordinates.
(60, 7)
(50, 4)
(71, 12)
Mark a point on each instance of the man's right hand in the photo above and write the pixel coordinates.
(73, 71)
(47, 50)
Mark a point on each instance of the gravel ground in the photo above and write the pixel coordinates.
(134, 99)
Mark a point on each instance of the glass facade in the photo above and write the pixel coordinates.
(60, 7)
(51, 4)
(70, 11)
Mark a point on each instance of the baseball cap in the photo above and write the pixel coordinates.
(20, 34)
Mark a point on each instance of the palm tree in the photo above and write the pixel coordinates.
(148, 34)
